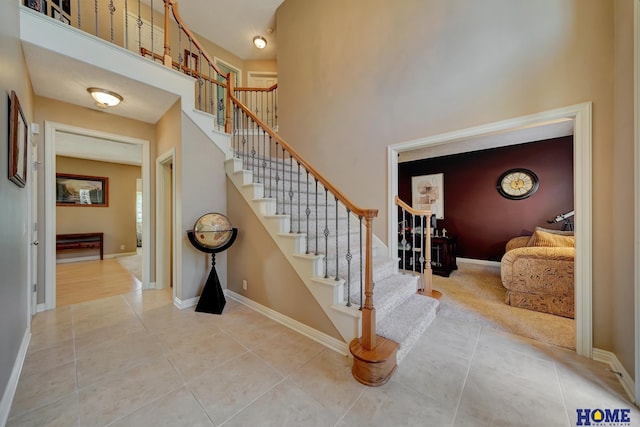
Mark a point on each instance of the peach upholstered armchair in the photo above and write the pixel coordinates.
(537, 272)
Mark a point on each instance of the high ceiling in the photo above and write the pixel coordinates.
(232, 24)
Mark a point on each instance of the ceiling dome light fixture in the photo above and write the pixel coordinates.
(104, 98)
(260, 42)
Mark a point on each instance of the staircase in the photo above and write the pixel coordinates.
(280, 200)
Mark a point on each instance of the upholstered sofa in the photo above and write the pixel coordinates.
(537, 272)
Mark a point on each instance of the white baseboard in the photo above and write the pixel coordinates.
(151, 285)
(320, 337)
(614, 364)
(12, 384)
(478, 261)
(40, 308)
(191, 302)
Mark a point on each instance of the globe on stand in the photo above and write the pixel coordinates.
(212, 233)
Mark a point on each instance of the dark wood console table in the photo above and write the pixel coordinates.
(443, 255)
(80, 241)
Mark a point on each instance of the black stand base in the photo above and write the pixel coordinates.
(212, 299)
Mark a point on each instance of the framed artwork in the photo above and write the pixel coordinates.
(191, 60)
(82, 190)
(427, 192)
(18, 137)
(55, 14)
(34, 4)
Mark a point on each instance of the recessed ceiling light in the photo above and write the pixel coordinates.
(260, 42)
(104, 98)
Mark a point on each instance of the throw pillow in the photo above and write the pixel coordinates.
(552, 231)
(544, 239)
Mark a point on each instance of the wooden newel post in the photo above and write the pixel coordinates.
(427, 274)
(368, 309)
(374, 357)
(227, 102)
(167, 61)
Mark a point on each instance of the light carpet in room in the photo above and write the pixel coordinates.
(133, 263)
(474, 293)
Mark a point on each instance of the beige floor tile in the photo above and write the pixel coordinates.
(498, 341)
(288, 351)
(511, 363)
(284, 405)
(435, 374)
(88, 341)
(122, 394)
(51, 357)
(193, 358)
(50, 336)
(61, 413)
(58, 317)
(42, 388)
(395, 405)
(98, 322)
(178, 408)
(251, 329)
(149, 299)
(522, 403)
(328, 379)
(177, 336)
(226, 390)
(114, 356)
(111, 306)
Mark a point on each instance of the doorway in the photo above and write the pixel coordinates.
(165, 222)
(580, 115)
(52, 132)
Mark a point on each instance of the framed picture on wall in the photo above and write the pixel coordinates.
(34, 4)
(427, 193)
(18, 137)
(191, 61)
(82, 190)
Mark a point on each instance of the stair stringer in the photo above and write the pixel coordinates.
(329, 293)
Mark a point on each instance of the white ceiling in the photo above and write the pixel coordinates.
(232, 24)
(65, 79)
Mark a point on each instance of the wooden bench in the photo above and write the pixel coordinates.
(80, 241)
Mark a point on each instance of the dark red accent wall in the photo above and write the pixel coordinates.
(476, 213)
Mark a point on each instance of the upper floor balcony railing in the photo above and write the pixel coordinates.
(155, 30)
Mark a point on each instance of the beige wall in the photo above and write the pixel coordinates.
(168, 130)
(367, 76)
(117, 221)
(13, 207)
(271, 280)
(622, 211)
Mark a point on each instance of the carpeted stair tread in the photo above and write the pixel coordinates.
(390, 292)
(408, 321)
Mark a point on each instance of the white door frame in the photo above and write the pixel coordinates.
(581, 116)
(161, 164)
(636, 171)
(51, 128)
(33, 166)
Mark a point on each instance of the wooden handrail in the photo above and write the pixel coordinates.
(183, 68)
(196, 42)
(427, 279)
(257, 89)
(409, 209)
(366, 213)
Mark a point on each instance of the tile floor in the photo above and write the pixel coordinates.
(136, 360)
